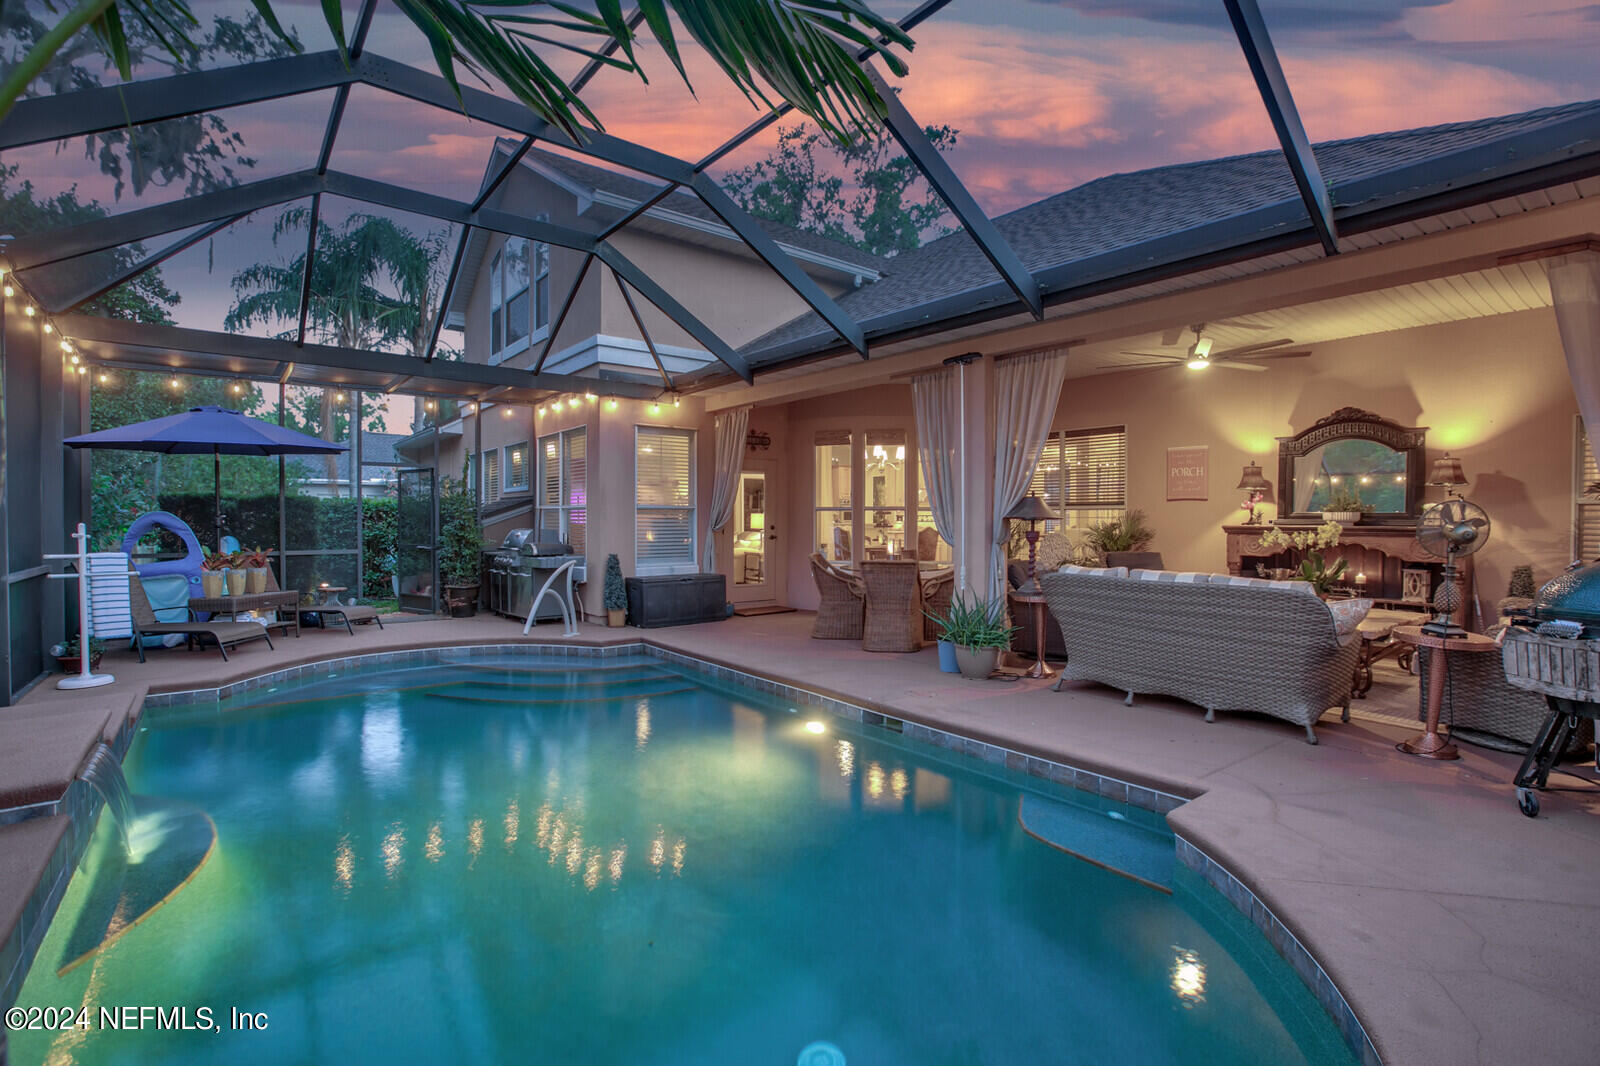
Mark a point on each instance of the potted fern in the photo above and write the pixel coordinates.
(978, 630)
(1345, 506)
(1126, 534)
(616, 593)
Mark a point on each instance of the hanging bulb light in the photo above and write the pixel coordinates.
(48, 328)
(178, 384)
(541, 409)
(573, 403)
(74, 358)
(428, 405)
(10, 291)
(676, 402)
(104, 378)
(30, 310)
(82, 369)
(591, 397)
(66, 345)
(338, 397)
(505, 412)
(611, 404)
(655, 408)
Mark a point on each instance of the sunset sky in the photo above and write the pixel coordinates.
(1045, 96)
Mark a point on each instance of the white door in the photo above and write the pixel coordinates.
(756, 575)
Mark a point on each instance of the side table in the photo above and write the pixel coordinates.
(1035, 600)
(1429, 744)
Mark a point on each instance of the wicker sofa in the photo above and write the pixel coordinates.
(1219, 643)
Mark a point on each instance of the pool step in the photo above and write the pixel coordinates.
(460, 697)
(1102, 837)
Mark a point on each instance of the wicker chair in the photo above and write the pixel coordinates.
(1488, 709)
(937, 592)
(927, 544)
(839, 602)
(894, 606)
(1224, 647)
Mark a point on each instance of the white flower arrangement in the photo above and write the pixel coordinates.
(1324, 536)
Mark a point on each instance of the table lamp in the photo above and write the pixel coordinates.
(1032, 510)
(1447, 473)
(758, 520)
(1258, 487)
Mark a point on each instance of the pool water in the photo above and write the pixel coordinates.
(623, 862)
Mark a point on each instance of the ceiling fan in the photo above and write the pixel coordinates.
(1200, 355)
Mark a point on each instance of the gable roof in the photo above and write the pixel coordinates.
(1126, 223)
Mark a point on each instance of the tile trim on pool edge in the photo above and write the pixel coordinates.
(1230, 887)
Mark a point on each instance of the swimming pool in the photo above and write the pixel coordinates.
(624, 861)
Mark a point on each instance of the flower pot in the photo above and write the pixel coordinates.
(255, 580)
(947, 658)
(211, 584)
(976, 664)
(71, 664)
(1344, 518)
(236, 582)
(616, 616)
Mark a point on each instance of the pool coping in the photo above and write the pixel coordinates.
(81, 805)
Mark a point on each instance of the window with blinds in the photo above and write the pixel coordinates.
(1586, 509)
(1083, 475)
(834, 472)
(517, 467)
(564, 488)
(491, 474)
(664, 511)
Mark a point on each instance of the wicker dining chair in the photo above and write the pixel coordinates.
(839, 602)
(937, 592)
(894, 605)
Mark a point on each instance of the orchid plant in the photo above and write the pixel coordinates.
(1314, 568)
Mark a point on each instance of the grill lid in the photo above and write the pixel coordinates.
(1574, 596)
(516, 539)
(546, 547)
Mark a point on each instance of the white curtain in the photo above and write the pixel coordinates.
(1027, 389)
(936, 397)
(1575, 294)
(731, 427)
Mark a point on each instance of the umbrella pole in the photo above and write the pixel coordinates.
(216, 491)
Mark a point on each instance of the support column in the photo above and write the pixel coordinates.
(977, 471)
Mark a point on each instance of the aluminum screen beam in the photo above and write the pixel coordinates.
(566, 305)
(149, 222)
(979, 226)
(448, 294)
(401, 198)
(97, 289)
(102, 337)
(308, 268)
(628, 271)
(75, 114)
(1262, 57)
(764, 246)
(644, 334)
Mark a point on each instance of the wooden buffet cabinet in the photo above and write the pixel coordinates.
(1382, 551)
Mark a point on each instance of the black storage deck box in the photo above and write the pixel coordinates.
(676, 599)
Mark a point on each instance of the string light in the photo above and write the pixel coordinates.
(541, 409)
(74, 358)
(66, 345)
(655, 408)
(30, 310)
(428, 405)
(177, 384)
(10, 291)
(591, 397)
(338, 397)
(573, 403)
(48, 328)
(611, 405)
(104, 378)
(472, 408)
(505, 412)
(675, 401)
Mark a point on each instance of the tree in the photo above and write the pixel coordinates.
(198, 151)
(802, 51)
(373, 285)
(875, 210)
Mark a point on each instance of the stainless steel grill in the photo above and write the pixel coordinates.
(521, 566)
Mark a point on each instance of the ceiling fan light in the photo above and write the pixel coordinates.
(1201, 349)
(1197, 362)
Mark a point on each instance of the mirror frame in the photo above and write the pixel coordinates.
(1352, 423)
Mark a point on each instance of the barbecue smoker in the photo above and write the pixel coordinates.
(521, 566)
(1554, 649)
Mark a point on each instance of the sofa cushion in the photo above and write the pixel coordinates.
(1347, 616)
(1095, 571)
(1263, 583)
(1182, 577)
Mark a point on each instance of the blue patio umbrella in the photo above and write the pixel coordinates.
(208, 430)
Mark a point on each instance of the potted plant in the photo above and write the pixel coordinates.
(1314, 567)
(1126, 534)
(616, 593)
(255, 563)
(213, 573)
(1345, 506)
(68, 658)
(460, 547)
(978, 630)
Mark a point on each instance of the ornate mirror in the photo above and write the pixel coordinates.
(1352, 451)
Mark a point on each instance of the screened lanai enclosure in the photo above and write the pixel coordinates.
(287, 225)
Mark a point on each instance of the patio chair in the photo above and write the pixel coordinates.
(224, 633)
(927, 544)
(839, 602)
(937, 592)
(346, 612)
(894, 619)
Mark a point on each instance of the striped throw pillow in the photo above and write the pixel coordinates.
(1095, 571)
(1181, 577)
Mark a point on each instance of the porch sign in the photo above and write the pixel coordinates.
(1188, 473)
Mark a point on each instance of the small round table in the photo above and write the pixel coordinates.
(1036, 600)
(1429, 744)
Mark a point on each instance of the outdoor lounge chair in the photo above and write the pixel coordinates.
(224, 633)
(347, 612)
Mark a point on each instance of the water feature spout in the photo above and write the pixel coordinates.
(102, 772)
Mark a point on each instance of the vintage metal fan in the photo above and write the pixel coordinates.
(1450, 530)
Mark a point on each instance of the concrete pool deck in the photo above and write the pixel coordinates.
(1458, 930)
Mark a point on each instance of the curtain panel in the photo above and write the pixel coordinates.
(1575, 295)
(936, 399)
(731, 427)
(1027, 391)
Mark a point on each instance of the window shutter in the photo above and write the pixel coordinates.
(1094, 465)
(664, 530)
(550, 471)
(577, 489)
(491, 476)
